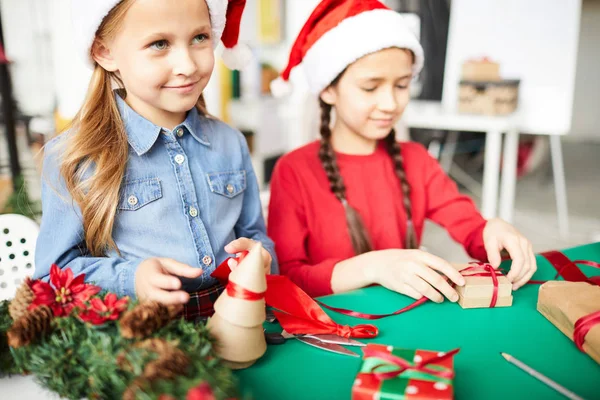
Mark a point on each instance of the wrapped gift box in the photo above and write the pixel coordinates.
(478, 290)
(564, 303)
(481, 70)
(410, 384)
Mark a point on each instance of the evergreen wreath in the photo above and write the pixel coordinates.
(83, 343)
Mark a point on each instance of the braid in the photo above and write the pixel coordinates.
(358, 234)
(393, 149)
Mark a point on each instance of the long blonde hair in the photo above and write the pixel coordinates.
(97, 143)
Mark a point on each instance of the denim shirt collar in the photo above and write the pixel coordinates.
(142, 134)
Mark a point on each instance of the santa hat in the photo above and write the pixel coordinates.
(225, 18)
(338, 33)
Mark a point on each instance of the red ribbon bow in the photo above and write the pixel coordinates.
(583, 326)
(298, 312)
(404, 365)
(484, 269)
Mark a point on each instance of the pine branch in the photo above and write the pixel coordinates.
(82, 361)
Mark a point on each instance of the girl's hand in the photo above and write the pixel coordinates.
(414, 273)
(244, 244)
(499, 235)
(156, 279)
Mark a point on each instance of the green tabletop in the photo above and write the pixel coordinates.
(295, 370)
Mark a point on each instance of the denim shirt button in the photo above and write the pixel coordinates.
(193, 212)
(206, 260)
(132, 200)
(230, 188)
(179, 159)
(179, 132)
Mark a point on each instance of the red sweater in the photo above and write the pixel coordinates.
(308, 223)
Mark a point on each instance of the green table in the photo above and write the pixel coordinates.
(297, 371)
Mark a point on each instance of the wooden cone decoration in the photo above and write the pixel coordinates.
(237, 323)
(250, 275)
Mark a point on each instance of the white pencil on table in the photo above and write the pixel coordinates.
(562, 390)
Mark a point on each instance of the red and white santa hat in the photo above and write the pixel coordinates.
(338, 33)
(225, 17)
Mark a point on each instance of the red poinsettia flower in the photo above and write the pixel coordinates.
(101, 311)
(201, 392)
(64, 294)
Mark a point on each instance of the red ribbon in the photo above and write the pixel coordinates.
(298, 312)
(357, 314)
(238, 292)
(568, 269)
(415, 304)
(583, 326)
(484, 269)
(233, 289)
(404, 365)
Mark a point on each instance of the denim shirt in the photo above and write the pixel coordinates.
(186, 193)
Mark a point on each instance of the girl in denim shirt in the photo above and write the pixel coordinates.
(146, 193)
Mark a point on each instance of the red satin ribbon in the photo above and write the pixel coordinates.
(357, 314)
(404, 365)
(484, 269)
(298, 312)
(238, 292)
(568, 269)
(583, 326)
(415, 304)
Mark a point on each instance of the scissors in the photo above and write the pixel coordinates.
(328, 342)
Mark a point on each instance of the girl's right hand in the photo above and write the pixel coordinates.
(413, 273)
(156, 279)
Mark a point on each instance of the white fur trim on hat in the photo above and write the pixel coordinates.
(237, 57)
(353, 39)
(218, 16)
(87, 16)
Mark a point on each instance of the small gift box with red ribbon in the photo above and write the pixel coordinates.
(485, 287)
(394, 373)
(574, 308)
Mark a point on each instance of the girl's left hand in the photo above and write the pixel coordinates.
(244, 244)
(499, 235)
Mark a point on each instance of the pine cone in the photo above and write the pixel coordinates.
(30, 327)
(156, 345)
(146, 318)
(172, 363)
(23, 298)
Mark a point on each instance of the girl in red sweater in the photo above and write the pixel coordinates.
(348, 211)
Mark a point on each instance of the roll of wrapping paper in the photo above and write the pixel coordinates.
(565, 303)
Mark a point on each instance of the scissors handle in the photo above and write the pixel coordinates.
(274, 338)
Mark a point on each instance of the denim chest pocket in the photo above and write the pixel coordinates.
(228, 184)
(138, 193)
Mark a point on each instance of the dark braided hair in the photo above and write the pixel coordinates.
(393, 148)
(358, 233)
